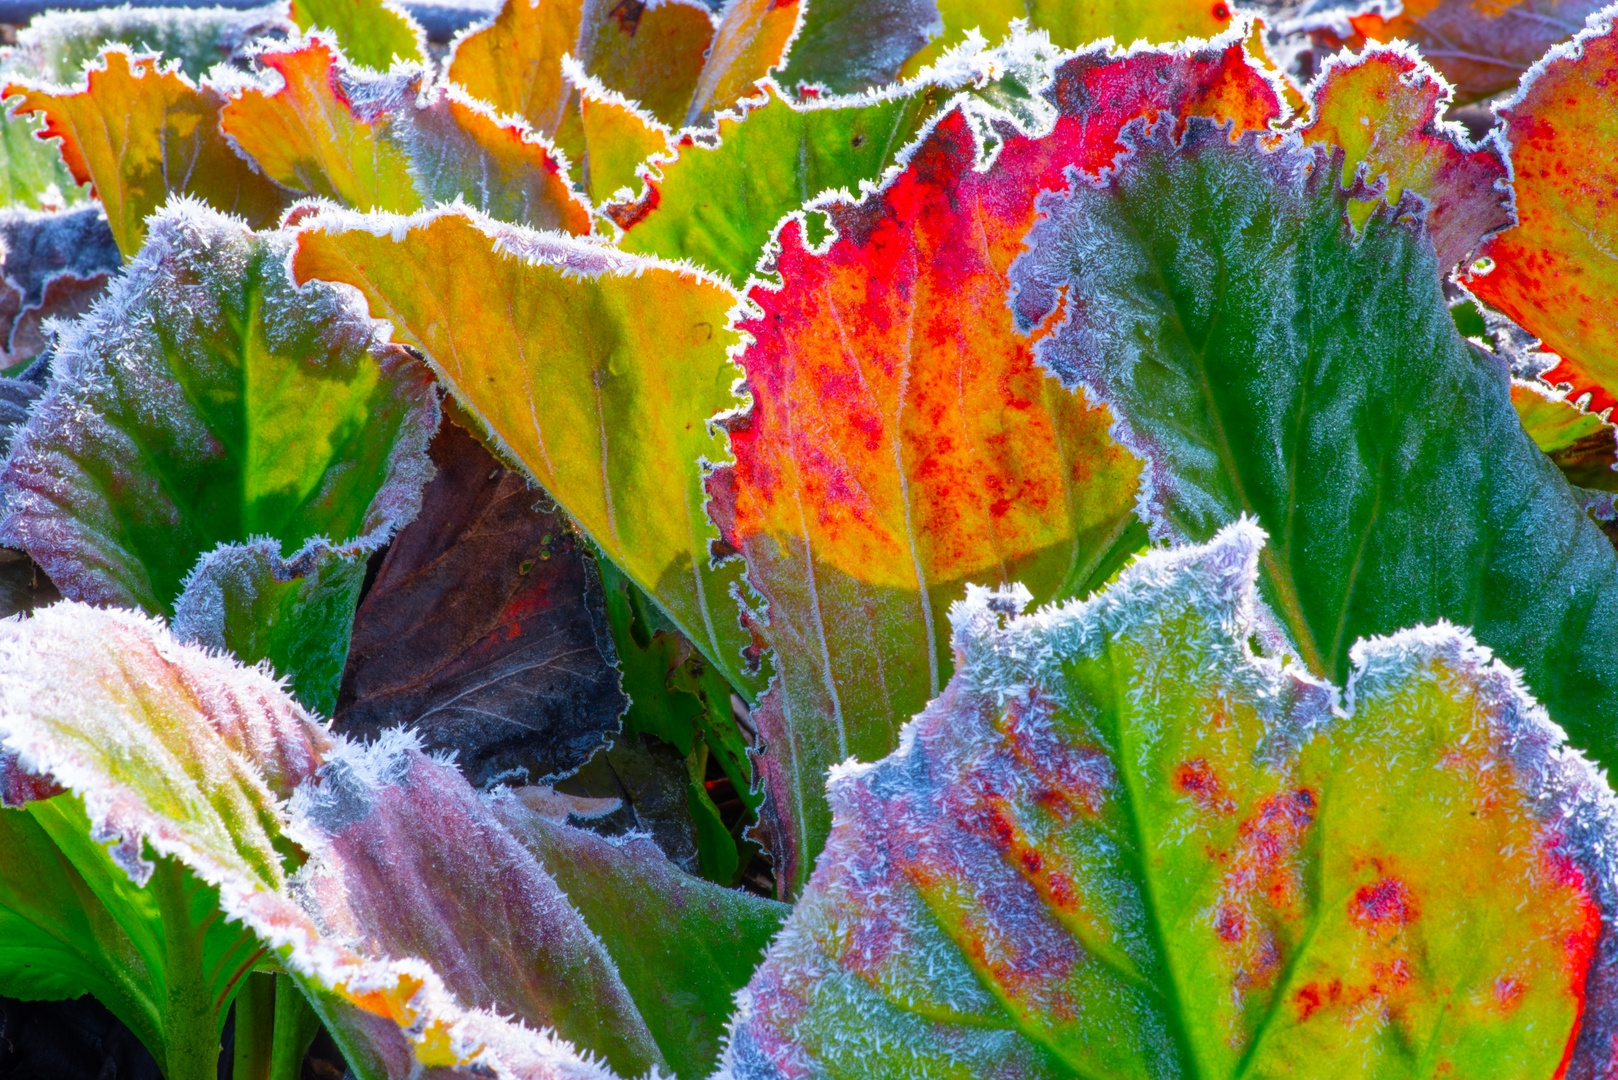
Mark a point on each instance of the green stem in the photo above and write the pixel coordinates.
(191, 1020)
(296, 1026)
(255, 1027)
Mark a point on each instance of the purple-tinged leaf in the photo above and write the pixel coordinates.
(484, 629)
(1121, 845)
(55, 264)
(683, 946)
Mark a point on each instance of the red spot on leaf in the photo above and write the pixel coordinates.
(1383, 906)
(1311, 997)
(1198, 779)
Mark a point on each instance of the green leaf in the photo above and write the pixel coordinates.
(684, 946)
(717, 202)
(679, 698)
(372, 32)
(206, 402)
(158, 956)
(56, 46)
(32, 172)
(1121, 845)
(247, 600)
(1264, 361)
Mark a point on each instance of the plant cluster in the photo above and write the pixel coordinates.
(816, 539)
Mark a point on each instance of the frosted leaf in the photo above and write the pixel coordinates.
(1120, 844)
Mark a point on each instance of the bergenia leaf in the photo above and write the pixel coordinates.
(186, 758)
(54, 265)
(405, 860)
(1316, 381)
(750, 40)
(716, 202)
(1121, 845)
(56, 46)
(97, 694)
(595, 369)
(1073, 24)
(618, 139)
(1385, 109)
(139, 133)
(382, 142)
(207, 402)
(156, 955)
(1580, 443)
(484, 628)
(902, 440)
(1482, 47)
(32, 173)
(650, 52)
(375, 33)
(683, 946)
(1555, 274)
(249, 601)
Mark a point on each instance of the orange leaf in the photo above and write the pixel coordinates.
(751, 39)
(1481, 46)
(650, 53)
(139, 133)
(1385, 109)
(378, 142)
(903, 442)
(1556, 273)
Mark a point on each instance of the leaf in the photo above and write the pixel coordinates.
(158, 955)
(245, 599)
(207, 402)
(844, 46)
(1316, 381)
(684, 946)
(56, 46)
(383, 142)
(650, 52)
(375, 33)
(140, 134)
(406, 858)
(1071, 24)
(1580, 443)
(902, 442)
(1385, 108)
(718, 202)
(1555, 274)
(618, 138)
(55, 264)
(1480, 46)
(186, 759)
(595, 369)
(749, 42)
(32, 172)
(1122, 845)
(484, 629)
(515, 62)
(679, 698)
